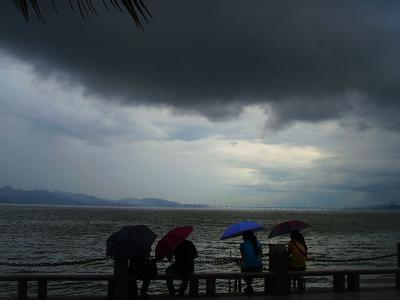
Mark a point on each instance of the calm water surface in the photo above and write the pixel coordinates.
(54, 234)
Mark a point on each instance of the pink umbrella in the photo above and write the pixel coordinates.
(171, 241)
(287, 227)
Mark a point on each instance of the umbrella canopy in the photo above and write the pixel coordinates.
(287, 227)
(238, 228)
(171, 241)
(130, 241)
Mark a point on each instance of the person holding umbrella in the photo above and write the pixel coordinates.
(250, 249)
(175, 244)
(297, 250)
(133, 245)
(183, 266)
(251, 254)
(145, 268)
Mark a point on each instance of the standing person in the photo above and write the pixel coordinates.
(297, 249)
(144, 268)
(183, 266)
(251, 252)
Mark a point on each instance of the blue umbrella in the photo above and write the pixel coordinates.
(238, 228)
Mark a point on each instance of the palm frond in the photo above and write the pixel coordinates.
(136, 8)
(36, 7)
(23, 7)
(70, 4)
(54, 6)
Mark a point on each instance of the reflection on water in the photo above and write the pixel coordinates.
(53, 234)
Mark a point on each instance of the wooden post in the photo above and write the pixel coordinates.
(338, 282)
(278, 263)
(194, 287)
(398, 266)
(124, 287)
(210, 287)
(353, 281)
(42, 289)
(22, 289)
(110, 289)
(267, 285)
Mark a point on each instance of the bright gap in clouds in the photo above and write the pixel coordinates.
(56, 138)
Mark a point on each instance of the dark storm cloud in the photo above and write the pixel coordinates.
(307, 60)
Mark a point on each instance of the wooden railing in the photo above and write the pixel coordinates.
(42, 280)
(349, 278)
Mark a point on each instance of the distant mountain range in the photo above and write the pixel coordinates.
(10, 195)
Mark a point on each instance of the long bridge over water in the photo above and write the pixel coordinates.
(250, 207)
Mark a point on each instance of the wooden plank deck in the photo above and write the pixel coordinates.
(365, 294)
(343, 280)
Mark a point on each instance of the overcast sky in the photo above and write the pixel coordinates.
(264, 103)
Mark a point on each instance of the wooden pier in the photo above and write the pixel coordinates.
(343, 281)
(368, 294)
(276, 281)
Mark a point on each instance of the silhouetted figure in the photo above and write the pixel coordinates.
(145, 269)
(297, 251)
(183, 266)
(251, 252)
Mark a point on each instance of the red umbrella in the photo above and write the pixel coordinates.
(287, 227)
(171, 241)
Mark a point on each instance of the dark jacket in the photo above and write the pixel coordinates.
(184, 257)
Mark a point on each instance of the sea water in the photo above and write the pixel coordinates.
(55, 234)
